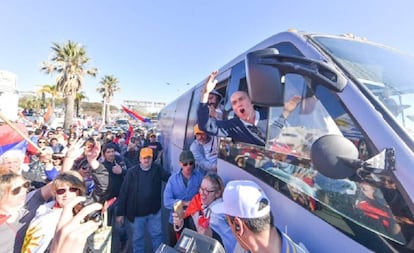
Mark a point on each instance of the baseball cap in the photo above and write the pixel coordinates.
(145, 152)
(197, 130)
(186, 156)
(215, 92)
(241, 198)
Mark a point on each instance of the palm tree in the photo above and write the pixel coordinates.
(52, 90)
(108, 88)
(68, 61)
(78, 100)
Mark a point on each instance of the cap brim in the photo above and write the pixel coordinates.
(187, 160)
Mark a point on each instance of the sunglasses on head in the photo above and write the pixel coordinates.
(18, 189)
(63, 190)
(188, 163)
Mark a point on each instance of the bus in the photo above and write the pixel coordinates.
(340, 174)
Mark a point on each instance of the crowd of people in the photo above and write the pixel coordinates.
(86, 191)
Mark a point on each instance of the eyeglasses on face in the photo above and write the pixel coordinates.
(84, 168)
(63, 190)
(18, 189)
(188, 163)
(205, 191)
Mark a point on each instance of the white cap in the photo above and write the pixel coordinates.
(241, 198)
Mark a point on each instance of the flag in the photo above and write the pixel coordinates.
(49, 116)
(129, 134)
(135, 115)
(11, 140)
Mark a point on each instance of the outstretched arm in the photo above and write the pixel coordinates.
(209, 86)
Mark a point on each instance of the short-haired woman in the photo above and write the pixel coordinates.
(65, 187)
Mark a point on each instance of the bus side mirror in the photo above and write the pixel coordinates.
(335, 156)
(265, 69)
(263, 80)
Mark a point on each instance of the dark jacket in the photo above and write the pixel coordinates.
(141, 192)
(115, 180)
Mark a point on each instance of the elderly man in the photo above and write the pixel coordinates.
(248, 213)
(204, 149)
(249, 126)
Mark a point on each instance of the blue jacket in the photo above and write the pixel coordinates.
(175, 189)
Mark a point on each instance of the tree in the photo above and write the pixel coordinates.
(108, 89)
(52, 90)
(78, 100)
(69, 63)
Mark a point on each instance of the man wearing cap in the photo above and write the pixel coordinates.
(182, 186)
(156, 147)
(214, 104)
(248, 213)
(140, 200)
(204, 149)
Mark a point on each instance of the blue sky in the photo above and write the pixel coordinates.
(146, 44)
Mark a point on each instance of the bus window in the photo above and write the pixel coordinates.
(304, 125)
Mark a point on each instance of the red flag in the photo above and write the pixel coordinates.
(130, 133)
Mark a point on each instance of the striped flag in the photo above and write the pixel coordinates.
(135, 115)
(11, 140)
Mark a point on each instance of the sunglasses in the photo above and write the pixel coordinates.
(18, 189)
(188, 163)
(62, 190)
(40, 142)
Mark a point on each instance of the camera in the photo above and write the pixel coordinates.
(95, 215)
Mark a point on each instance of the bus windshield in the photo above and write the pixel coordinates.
(383, 70)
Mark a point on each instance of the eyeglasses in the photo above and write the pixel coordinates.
(205, 191)
(63, 190)
(188, 163)
(18, 189)
(84, 168)
(41, 142)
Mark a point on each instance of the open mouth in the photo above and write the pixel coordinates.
(242, 110)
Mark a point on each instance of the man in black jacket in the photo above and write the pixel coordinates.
(117, 168)
(140, 201)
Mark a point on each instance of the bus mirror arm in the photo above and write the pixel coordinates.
(265, 69)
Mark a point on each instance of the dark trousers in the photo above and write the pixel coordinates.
(172, 235)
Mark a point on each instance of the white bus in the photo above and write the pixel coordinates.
(340, 175)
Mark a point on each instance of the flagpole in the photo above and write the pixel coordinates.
(8, 122)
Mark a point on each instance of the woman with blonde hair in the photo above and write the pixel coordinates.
(65, 187)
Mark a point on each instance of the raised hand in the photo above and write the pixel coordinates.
(75, 150)
(71, 232)
(117, 169)
(291, 105)
(211, 81)
(209, 86)
(93, 153)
